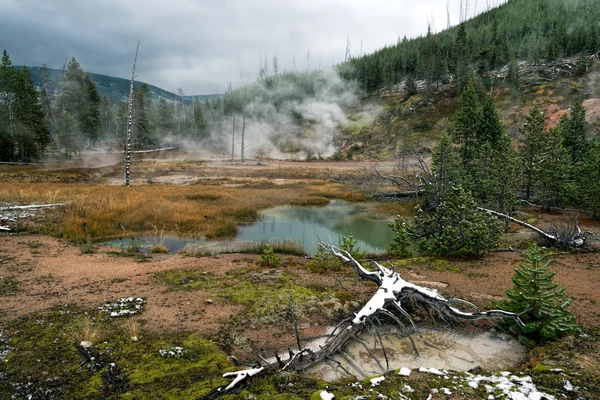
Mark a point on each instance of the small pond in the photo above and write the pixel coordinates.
(305, 225)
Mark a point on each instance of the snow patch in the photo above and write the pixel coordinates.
(432, 371)
(377, 381)
(326, 396)
(123, 307)
(404, 371)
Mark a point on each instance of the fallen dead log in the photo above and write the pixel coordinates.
(570, 237)
(387, 301)
(13, 213)
(32, 206)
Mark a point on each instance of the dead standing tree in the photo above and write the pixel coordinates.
(130, 121)
(387, 301)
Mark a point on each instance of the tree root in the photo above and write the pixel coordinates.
(392, 290)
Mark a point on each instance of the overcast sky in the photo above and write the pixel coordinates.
(201, 45)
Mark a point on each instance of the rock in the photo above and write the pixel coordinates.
(208, 301)
(476, 371)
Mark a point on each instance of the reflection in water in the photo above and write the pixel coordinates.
(145, 243)
(307, 225)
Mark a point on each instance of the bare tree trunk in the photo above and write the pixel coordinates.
(233, 142)
(243, 152)
(130, 120)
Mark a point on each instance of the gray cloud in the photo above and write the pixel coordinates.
(200, 45)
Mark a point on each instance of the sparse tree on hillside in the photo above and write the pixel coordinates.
(466, 126)
(588, 182)
(575, 132)
(552, 184)
(491, 128)
(462, 58)
(505, 176)
(445, 174)
(530, 151)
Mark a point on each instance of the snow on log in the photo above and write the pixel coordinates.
(32, 206)
(569, 237)
(386, 301)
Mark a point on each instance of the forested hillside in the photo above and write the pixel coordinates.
(532, 30)
(69, 113)
(113, 88)
(394, 101)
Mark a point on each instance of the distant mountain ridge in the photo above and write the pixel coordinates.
(116, 89)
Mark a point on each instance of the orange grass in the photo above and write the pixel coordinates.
(201, 210)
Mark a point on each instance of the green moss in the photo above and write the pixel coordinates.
(188, 279)
(316, 395)
(44, 358)
(270, 303)
(541, 368)
(92, 388)
(9, 286)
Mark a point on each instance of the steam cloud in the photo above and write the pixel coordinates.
(290, 115)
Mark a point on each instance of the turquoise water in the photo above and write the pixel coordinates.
(305, 225)
(145, 243)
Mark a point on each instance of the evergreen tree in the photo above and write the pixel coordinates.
(504, 178)
(574, 130)
(588, 182)
(402, 241)
(46, 100)
(491, 128)
(411, 85)
(445, 174)
(455, 228)
(554, 171)
(480, 178)
(165, 114)
(32, 129)
(199, 121)
(68, 134)
(513, 78)
(142, 104)
(533, 132)
(91, 123)
(541, 303)
(462, 59)
(7, 80)
(466, 127)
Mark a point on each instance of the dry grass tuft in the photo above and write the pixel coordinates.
(85, 333)
(159, 248)
(131, 329)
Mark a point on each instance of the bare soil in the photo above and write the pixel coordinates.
(51, 272)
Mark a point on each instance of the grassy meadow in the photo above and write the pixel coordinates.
(210, 208)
